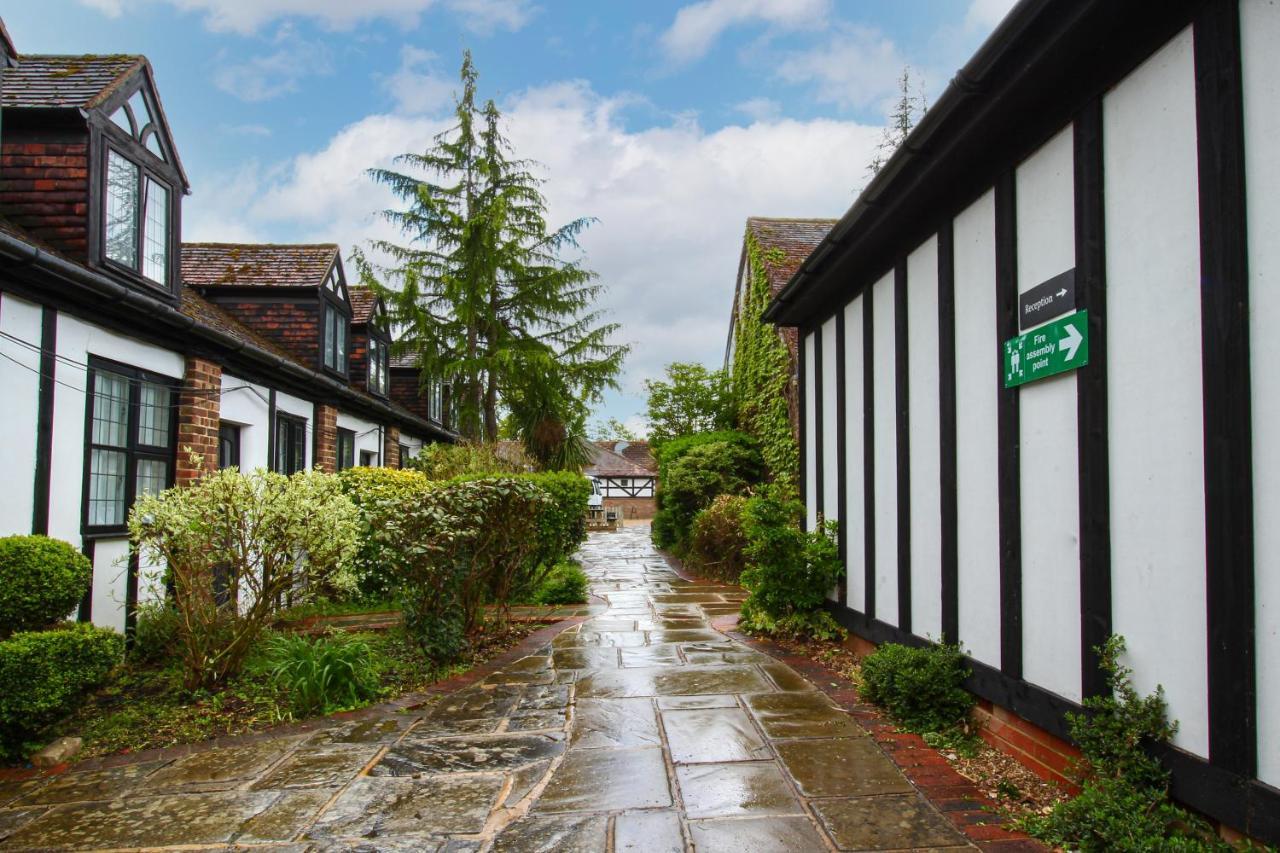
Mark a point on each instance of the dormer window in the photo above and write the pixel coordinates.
(134, 118)
(379, 366)
(136, 222)
(336, 332)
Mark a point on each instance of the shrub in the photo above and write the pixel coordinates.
(1124, 800)
(562, 525)
(789, 572)
(673, 449)
(155, 632)
(454, 544)
(236, 546)
(718, 541)
(41, 582)
(43, 672)
(322, 674)
(697, 477)
(447, 461)
(376, 491)
(921, 688)
(566, 583)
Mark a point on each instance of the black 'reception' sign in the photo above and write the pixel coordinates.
(1047, 300)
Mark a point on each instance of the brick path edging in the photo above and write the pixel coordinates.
(403, 704)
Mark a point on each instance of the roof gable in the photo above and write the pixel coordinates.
(314, 265)
(606, 463)
(785, 244)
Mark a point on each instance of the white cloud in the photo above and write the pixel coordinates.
(697, 26)
(760, 109)
(986, 14)
(277, 73)
(671, 201)
(248, 16)
(416, 86)
(854, 68)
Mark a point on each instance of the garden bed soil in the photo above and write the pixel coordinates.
(145, 707)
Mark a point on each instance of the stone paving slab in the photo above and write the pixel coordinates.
(641, 728)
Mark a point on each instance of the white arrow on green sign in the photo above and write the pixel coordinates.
(1052, 348)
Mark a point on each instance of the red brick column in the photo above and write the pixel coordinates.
(391, 447)
(326, 446)
(199, 413)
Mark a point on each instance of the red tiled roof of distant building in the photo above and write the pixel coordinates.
(785, 243)
(606, 463)
(363, 301)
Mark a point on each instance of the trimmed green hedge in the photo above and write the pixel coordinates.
(693, 471)
(376, 492)
(41, 582)
(43, 672)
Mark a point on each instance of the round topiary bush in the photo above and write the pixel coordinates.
(41, 582)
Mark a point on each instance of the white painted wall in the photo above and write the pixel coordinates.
(977, 383)
(368, 435)
(1155, 382)
(924, 430)
(20, 385)
(854, 525)
(884, 398)
(246, 404)
(1260, 33)
(1050, 472)
(810, 436)
(830, 437)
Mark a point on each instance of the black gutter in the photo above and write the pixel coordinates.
(155, 309)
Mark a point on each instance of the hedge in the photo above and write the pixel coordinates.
(43, 672)
(41, 582)
(693, 471)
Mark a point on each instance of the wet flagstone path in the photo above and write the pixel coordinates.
(640, 729)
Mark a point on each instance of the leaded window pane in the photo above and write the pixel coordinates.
(110, 409)
(153, 476)
(155, 257)
(122, 210)
(341, 336)
(330, 330)
(153, 415)
(108, 475)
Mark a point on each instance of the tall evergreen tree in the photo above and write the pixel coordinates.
(482, 291)
(908, 109)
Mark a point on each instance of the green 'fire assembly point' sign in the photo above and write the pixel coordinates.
(1052, 348)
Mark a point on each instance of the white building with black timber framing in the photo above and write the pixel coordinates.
(1133, 147)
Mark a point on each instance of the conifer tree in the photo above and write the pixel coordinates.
(483, 294)
(910, 106)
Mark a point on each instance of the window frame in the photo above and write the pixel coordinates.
(134, 451)
(146, 176)
(403, 454)
(295, 422)
(383, 361)
(328, 302)
(345, 437)
(372, 459)
(229, 432)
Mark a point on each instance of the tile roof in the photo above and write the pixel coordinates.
(67, 81)
(785, 244)
(363, 300)
(606, 463)
(257, 264)
(637, 452)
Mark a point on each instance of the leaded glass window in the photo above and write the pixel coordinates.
(335, 338)
(155, 236)
(122, 210)
(136, 219)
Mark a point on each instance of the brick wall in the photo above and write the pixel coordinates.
(199, 414)
(326, 438)
(293, 325)
(404, 391)
(391, 447)
(44, 188)
(633, 507)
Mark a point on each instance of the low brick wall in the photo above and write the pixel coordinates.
(632, 507)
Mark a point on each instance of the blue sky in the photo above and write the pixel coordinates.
(670, 121)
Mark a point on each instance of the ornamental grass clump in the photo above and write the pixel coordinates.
(237, 546)
(322, 674)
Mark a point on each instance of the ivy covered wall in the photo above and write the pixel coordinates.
(762, 371)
